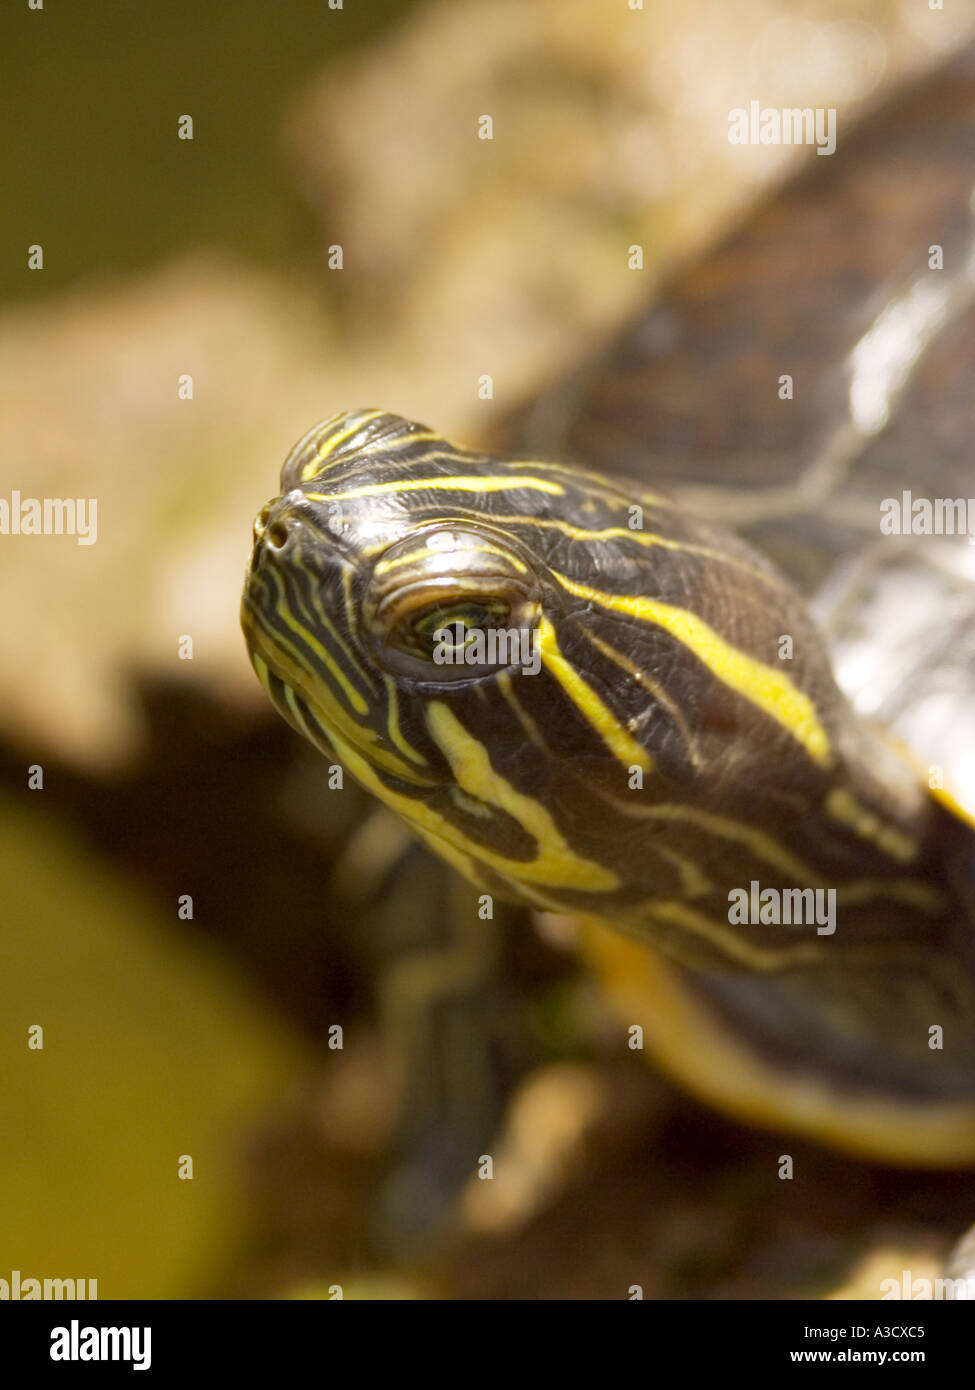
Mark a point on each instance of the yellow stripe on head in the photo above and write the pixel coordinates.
(329, 443)
(585, 699)
(460, 483)
(426, 552)
(556, 863)
(769, 690)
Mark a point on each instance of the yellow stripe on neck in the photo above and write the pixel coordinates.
(556, 864)
(844, 808)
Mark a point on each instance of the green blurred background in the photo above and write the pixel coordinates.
(158, 1042)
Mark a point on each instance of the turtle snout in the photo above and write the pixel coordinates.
(276, 526)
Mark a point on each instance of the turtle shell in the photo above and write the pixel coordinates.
(812, 382)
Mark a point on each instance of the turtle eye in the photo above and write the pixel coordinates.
(445, 605)
(457, 625)
(451, 637)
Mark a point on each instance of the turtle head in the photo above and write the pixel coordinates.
(579, 694)
(403, 614)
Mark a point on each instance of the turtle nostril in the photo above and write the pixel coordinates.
(277, 535)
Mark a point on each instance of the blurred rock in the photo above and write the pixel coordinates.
(462, 257)
(610, 126)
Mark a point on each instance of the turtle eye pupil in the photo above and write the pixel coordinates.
(462, 621)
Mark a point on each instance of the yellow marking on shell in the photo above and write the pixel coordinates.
(460, 483)
(655, 689)
(842, 806)
(556, 863)
(769, 690)
(436, 552)
(689, 1042)
(582, 695)
(952, 804)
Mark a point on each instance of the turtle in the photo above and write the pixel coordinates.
(688, 654)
